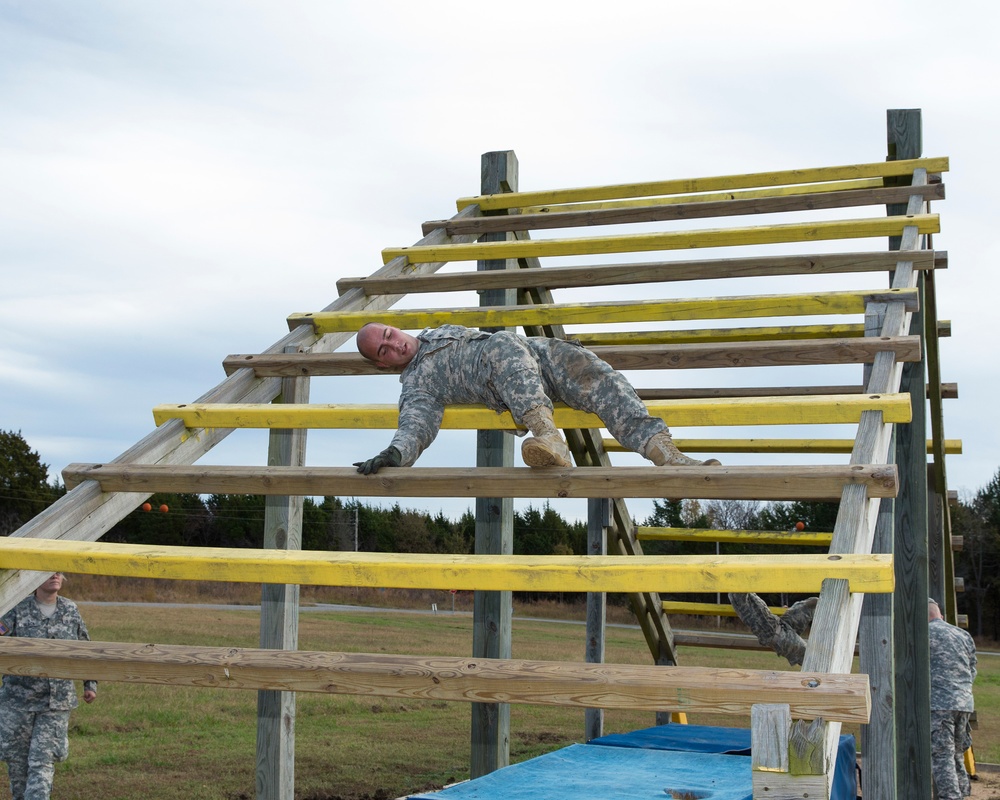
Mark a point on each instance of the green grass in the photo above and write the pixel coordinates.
(153, 742)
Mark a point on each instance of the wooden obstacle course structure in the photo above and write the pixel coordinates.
(894, 337)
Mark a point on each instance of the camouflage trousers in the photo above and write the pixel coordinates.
(781, 634)
(949, 741)
(32, 742)
(537, 371)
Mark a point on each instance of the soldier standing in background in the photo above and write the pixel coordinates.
(34, 712)
(953, 669)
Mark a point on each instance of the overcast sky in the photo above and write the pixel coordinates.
(177, 177)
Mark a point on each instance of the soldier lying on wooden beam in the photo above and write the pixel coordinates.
(507, 372)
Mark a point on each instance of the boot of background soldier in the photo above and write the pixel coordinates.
(662, 451)
(545, 447)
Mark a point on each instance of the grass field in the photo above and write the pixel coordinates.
(159, 742)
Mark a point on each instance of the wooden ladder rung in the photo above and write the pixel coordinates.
(445, 678)
(703, 574)
(758, 482)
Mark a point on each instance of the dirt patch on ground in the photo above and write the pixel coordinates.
(987, 787)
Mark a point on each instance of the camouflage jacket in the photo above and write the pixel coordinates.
(953, 667)
(443, 372)
(43, 694)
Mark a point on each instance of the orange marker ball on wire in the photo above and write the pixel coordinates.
(164, 508)
(146, 507)
(800, 526)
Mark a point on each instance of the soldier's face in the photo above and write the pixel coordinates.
(387, 346)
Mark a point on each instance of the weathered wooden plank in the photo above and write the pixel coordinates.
(790, 573)
(831, 230)
(770, 305)
(737, 482)
(628, 356)
(878, 169)
(819, 409)
(443, 678)
(641, 272)
(695, 208)
(769, 725)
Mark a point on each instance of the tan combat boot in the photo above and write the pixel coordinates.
(545, 447)
(662, 451)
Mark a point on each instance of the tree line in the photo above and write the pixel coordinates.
(333, 523)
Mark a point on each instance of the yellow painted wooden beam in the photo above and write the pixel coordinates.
(844, 330)
(709, 609)
(802, 410)
(781, 573)
(808, 538)
(848, 172)
(673, 309)
(846, 446)
(709, 197)
(671, 240)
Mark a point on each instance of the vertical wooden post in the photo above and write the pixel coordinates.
(912, 658)
(279, 611)
(878, 737)
(598, 522)
(491, 632)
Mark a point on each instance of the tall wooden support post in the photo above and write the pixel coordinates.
(598, 522)
(279, 611)
(913, 760)
(491, 632)
(878, 737)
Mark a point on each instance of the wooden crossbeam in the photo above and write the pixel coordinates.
(643, 272)
(819, 409)
(810, 482)
(791, 538)
(694, 208)
(701, 355)
(788, 573)
(843, 446)
(878, 169)
(691, 308)
(443, 678)
(830, 230)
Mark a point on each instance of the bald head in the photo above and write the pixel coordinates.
(386, 346)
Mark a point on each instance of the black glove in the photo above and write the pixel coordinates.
(390, 457)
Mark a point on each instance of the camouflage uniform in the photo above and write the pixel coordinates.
(34, 712)
(507, 372)
(782, 634)
(953, 669)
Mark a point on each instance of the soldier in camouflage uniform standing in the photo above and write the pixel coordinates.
(953, 669)
(506, 372)
(34, 712)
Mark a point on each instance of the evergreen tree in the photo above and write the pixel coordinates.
(24, 483)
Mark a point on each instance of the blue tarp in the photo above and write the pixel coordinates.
(661, 762)
(584, 772)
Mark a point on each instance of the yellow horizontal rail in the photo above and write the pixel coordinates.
(952, 447)
(878, 169)
(671, 240)
(709, 609)
(808, 538)
(674, 309)
(819, 409)
(709, 197)
(788, 573)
